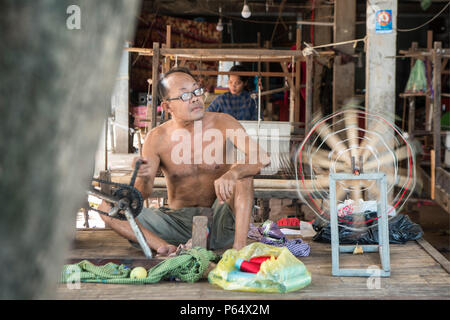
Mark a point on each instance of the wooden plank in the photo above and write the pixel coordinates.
(435, 254)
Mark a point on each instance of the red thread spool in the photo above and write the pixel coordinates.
(247, 266)
(260, 259)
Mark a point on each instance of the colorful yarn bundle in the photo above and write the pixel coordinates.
(252, 266)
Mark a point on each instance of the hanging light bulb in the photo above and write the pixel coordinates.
(219, 26)
(246, 11)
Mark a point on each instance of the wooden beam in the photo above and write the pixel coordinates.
(242, 73)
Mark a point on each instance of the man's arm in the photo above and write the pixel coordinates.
(255, 157)
(237, 183)
(149, 167)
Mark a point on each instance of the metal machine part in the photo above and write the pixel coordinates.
(127, 204)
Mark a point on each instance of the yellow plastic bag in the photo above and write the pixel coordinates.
(282, 273)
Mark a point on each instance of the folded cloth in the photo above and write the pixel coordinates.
(270, 233)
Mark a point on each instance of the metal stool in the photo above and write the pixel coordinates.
(383, 228)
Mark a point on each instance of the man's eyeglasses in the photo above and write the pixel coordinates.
(188, 95)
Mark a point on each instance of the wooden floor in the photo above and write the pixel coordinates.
(414, 275)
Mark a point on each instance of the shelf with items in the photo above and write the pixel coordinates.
(435, 59)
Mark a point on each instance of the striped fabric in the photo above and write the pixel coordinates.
(270, 233)
(297, 247)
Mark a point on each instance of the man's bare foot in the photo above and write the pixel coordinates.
(165, 251)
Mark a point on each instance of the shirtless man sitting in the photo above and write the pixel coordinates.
(192, 150)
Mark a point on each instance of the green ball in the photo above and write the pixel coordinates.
(138, 273)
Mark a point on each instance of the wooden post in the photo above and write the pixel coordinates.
(269, 107)
(343, 74)
(292, 93)
(437, 102)
(412, 100)
(199, 231)
(433, 173)
(298, 79)
(155, 77)
(309, 91)
(168, 45)
(428, 99)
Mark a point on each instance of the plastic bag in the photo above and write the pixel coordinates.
(282, 273)
(401, 230)
(417, 81)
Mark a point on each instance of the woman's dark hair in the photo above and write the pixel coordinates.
(162, 89)
(244, 79)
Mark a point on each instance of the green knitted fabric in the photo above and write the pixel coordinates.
(189, 266)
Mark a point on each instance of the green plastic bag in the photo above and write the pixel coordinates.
(282, 273)
(417, 81)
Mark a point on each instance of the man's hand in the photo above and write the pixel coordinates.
(225, 185)
(144, 171)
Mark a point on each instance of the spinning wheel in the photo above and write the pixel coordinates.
(339, 144)
(345, 173)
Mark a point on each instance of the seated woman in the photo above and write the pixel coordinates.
(237, 102)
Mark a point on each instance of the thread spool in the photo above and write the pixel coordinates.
(260, 259)
(247, 266)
